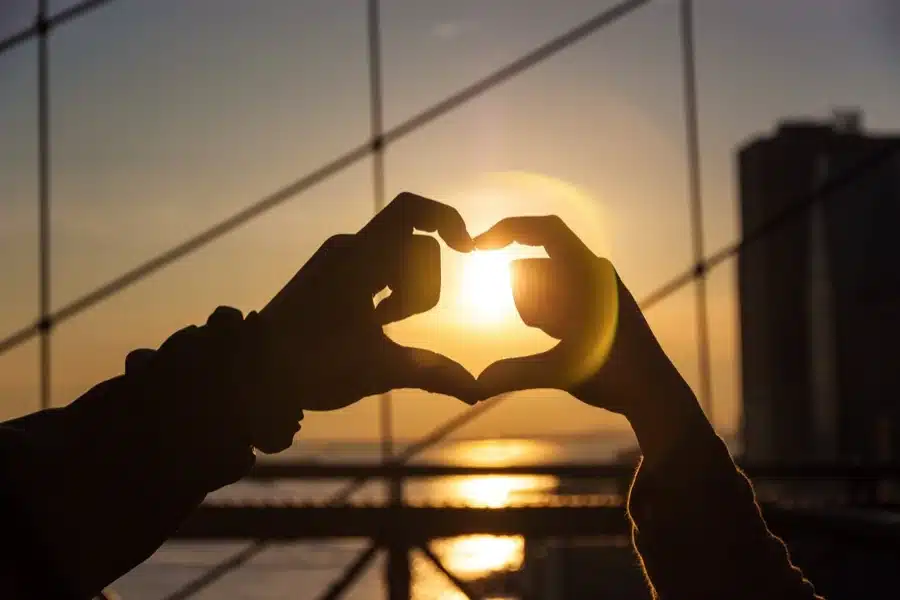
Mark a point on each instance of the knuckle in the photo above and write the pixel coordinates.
(339, 239)
(338, 242)
(604, 265)
(404, 200)
(557, 223)
(138, 358)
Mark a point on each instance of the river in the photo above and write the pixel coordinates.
(299, 571)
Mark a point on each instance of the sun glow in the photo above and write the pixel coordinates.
(485, 288)
(474, 556)
(497, 491)
(479, 555)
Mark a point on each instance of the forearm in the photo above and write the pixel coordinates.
(104, 481)
(696, 523)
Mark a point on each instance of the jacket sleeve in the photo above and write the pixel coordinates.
(699, 532)
(94, 488)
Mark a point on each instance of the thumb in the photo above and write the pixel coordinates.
(412, 271)
(400, 305)
(138, 359)
(547, 370)
(429, 371)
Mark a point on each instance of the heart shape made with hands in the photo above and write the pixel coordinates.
(546, 316)
(329, 335)
(476, 320)
(487, 309)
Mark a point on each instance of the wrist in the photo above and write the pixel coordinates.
(662, 427)
(269, 386)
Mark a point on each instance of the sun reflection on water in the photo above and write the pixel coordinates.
(478, 555)
(475, 556)
(497, 491)
(502, 452)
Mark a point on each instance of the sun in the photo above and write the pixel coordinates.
(486, 286)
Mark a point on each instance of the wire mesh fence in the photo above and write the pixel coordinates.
(375, 147)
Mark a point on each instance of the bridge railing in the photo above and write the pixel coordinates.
(400, 528)
(847, 483)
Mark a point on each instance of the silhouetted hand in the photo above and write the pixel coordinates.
(327, 330)
(607, 355)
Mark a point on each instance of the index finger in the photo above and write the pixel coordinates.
(410, 211)
(550, 231)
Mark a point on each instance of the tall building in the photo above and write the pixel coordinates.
(820, 296)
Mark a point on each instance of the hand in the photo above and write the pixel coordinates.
(607, 355)
(327, 331)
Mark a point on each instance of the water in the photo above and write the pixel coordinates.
(301, 571)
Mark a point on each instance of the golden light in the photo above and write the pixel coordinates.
(485, 286)
(478, 555)
(497, 491)
(475, 321)
(492, 491)
(499, 452)
(468, 557)
(494, 196)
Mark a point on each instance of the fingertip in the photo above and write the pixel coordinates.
(493, 239)
(438, 374)
(473, 395)
(505, 376)
(487, 243)
(459, 239)
(467, 399)
(488, 385)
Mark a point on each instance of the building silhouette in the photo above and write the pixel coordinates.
(820, 296)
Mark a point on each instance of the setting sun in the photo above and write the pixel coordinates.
(485, 286)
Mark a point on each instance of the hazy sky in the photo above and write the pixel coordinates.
(169, 116)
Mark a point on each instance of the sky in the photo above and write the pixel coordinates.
(168, 116)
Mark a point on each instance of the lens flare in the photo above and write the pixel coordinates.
(486, 282)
